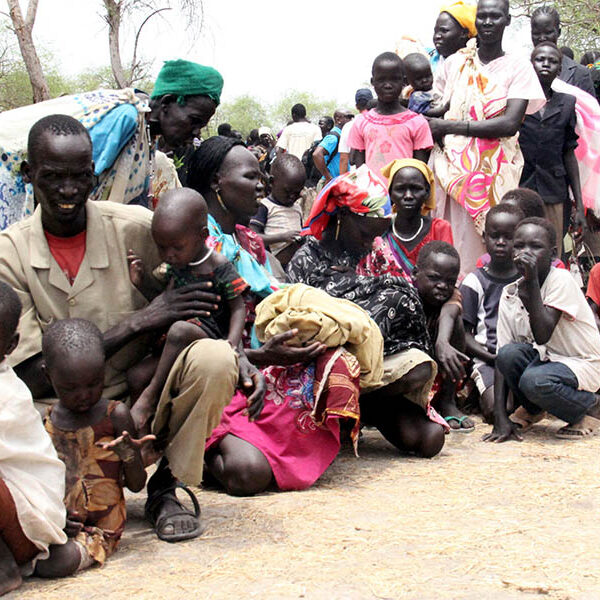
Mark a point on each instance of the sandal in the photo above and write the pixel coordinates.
(460, 421)
(159, 525)
(525, 420)
(586, 427)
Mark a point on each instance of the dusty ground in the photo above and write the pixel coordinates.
(480, 521)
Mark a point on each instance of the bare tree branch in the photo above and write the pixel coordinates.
(31, 12)
(137, 37)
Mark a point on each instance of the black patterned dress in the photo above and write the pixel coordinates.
(392, 302)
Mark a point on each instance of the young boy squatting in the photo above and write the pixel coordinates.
(548, 343)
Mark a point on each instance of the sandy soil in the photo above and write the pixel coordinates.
(480, 521)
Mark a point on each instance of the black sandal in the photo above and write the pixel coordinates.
(157, 498)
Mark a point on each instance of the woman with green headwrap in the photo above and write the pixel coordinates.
(124, 129)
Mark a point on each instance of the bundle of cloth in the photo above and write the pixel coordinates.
(319, 317)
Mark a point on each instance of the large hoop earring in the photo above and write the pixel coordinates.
(220, 201)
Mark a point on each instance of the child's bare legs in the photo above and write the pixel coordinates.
(401, 422)
(486, 405)
(63, 560)
(140, 375)
(445, 400)
(180, 335)
(241, 468)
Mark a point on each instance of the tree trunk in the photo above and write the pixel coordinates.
(23, 30)
(113, 18)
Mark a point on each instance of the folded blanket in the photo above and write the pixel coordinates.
(321, 318)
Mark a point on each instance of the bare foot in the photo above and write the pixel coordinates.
(143, 411)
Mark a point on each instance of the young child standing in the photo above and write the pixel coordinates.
(389, 130)
(548, 141)
(180, 231)
(481, 292)
(435, 275)
(94, 437)
(548, 343)
(279, 217)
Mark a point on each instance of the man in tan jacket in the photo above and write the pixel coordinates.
(69, 260)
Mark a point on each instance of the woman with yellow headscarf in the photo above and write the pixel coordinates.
(454, 27)
(412, 193)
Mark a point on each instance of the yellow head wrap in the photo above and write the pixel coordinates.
(390, 171)
(464, 14)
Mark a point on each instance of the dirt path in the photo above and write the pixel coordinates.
(481, 521)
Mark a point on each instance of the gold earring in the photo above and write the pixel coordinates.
(337, 229)
(220, 201)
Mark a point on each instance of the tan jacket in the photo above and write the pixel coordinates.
(102, 291)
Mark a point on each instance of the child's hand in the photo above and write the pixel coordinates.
(503, 431)
(291, 236)
(126, 447)
(526, 264)
(451, 361)
(136, 268)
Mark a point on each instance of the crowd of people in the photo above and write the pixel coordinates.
(234, 315)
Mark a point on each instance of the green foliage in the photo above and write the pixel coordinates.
(247, 112)
(243, 113)
(580, 20)
(315, 107)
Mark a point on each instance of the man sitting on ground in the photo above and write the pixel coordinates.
(69, 260)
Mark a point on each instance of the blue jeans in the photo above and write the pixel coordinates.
(538, 386)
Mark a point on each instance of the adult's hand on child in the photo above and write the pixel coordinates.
(438, 130)
(179, 304)
(276, 351)
(504, 430)
(451, 360)
(252, 383)
(126, 447)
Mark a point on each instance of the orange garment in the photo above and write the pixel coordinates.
(67, 252)
(94, 492)
(593, 288)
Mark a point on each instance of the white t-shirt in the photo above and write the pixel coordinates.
(30, 467)
(298, 137)
(575, 341)
(344, 146)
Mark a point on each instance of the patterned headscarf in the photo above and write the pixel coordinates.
(392, 168)
(464, 14)
(185, 78)
(361, 191)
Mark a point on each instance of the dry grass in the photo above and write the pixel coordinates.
(479, 521)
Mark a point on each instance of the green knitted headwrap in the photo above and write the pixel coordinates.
(185, 78)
